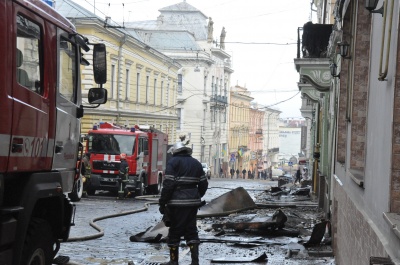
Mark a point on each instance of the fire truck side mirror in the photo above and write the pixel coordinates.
(100, 63)
(97, 95)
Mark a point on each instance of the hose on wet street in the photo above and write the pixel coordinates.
(153, 199)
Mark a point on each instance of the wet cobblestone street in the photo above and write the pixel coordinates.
(114, 247)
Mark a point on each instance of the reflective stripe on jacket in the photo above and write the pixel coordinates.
(184, 183)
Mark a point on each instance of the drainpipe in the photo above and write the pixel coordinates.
(317, 151)
(119, 90)
(324, 15)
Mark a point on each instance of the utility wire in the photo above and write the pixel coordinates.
(196, 89)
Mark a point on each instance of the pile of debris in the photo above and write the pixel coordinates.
(284, 219)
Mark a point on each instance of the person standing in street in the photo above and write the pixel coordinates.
(305, 173)
(123, 176)
(184, 186)
(244, 173)
(237, 173)
(123, 166)
(298, 176)
(232, 171)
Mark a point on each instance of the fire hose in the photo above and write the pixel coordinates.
(100, 230)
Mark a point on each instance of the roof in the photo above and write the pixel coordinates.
(70, 9)
(178, 27)
(169, 40)
(181, 7)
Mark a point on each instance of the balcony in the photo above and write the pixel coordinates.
(219, 101)
(259, 131)
(273, 150)
(313, 65)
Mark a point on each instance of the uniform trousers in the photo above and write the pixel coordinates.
(183, 223)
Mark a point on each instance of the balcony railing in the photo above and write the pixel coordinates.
(219, 99)
(314, 41)
(274, 150)
(259, 131)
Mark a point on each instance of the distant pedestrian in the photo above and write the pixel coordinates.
(244, 173)
(232, 171)
(237, 173)
(305, 173)
(298, 176)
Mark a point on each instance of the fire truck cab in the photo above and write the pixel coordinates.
(40, 111)
(146, 153)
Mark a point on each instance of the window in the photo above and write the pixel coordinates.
(205, 85)
(67, 70)
(112, 144)
(216, 86)
(28, 54)
(225, 89)
(127, 84)
(212, 86)
(168, 94)
(112, 83)
(204, 117)
(137, 86)
(179, 114)
(180, 88)
(147, 89)
(143, 145)
(155, 91)
(162, 93)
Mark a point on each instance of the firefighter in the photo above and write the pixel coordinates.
(123, 176)
(123, 167)
(183, 187)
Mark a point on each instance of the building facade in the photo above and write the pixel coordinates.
(256, 141)
(141, 81)
(239, 128)
(350, 74)
(185, 34)
(271, 144)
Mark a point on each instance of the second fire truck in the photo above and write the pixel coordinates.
(146, 153)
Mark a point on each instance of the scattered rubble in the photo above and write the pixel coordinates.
(283, 217)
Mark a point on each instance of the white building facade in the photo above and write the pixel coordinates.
(185, 34)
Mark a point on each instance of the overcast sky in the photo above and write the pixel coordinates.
(261, 37)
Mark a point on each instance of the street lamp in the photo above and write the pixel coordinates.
(370, 5)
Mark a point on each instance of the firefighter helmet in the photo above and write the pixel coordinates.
(180, 147)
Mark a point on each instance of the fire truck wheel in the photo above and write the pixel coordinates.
(38, 246)
(159, 185)
(77, 191)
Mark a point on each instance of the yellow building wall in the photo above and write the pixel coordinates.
(125, 59)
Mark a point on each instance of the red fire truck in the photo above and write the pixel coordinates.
(146, 154)
(40, 111)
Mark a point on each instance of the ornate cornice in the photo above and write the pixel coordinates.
(315, 71)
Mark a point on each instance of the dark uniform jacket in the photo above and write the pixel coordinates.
(184, 183)
(123, 167)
